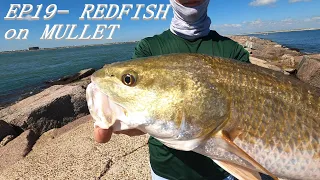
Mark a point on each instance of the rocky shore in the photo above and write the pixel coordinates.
(50, 135)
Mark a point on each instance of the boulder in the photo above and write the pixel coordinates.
(51, 108)
(73, 154)
(253, 46)
(83, 82)
(309, 71)
(17, 149)
(265, 64)
(6, 130)
(56, 132)
(288, 60)
(286, 63)
(72, 78)
(297, 60)
(314, 56)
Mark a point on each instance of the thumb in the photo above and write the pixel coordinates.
(102, 135)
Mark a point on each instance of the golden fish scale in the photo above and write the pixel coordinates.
(268, 104)
(272, 111)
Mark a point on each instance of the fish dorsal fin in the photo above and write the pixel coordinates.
(232, 147)
(239, 172)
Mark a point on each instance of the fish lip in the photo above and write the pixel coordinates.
(105, 114)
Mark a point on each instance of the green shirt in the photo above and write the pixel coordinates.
(170, 163)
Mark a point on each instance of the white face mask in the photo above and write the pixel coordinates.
(190, 22)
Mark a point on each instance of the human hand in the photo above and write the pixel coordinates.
(104, 135)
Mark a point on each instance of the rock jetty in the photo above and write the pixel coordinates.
(274, 56)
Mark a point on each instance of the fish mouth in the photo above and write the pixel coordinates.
(105, 112)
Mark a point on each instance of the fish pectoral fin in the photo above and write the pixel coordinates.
(239, 172)
(233, 148)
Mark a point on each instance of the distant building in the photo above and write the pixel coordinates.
(33, 48)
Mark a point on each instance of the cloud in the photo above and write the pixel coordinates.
(287, 21)
(316, 18)
(223, 26)
(262, 2)
(260, 25)
(256, 22)
(294, 1)
(232, 25)
(268, 2)
(268, 23)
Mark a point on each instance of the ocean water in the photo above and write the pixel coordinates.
(305, 41)
(23, 73)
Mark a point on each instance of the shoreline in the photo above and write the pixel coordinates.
(66, 47)
(20, 94)
(35, 89)
(280, 31)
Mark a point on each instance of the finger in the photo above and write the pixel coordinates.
(102, 135)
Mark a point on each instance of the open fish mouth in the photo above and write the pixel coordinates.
(105, 112)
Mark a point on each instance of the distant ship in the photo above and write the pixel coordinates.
(33, 48)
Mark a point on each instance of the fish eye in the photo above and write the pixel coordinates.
(128, 79)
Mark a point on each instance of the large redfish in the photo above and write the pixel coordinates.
(246, 118)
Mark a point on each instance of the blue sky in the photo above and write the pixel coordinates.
(228, 17)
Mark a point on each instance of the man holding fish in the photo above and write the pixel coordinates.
(189, 33)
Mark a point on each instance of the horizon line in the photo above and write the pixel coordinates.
(133, 41)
